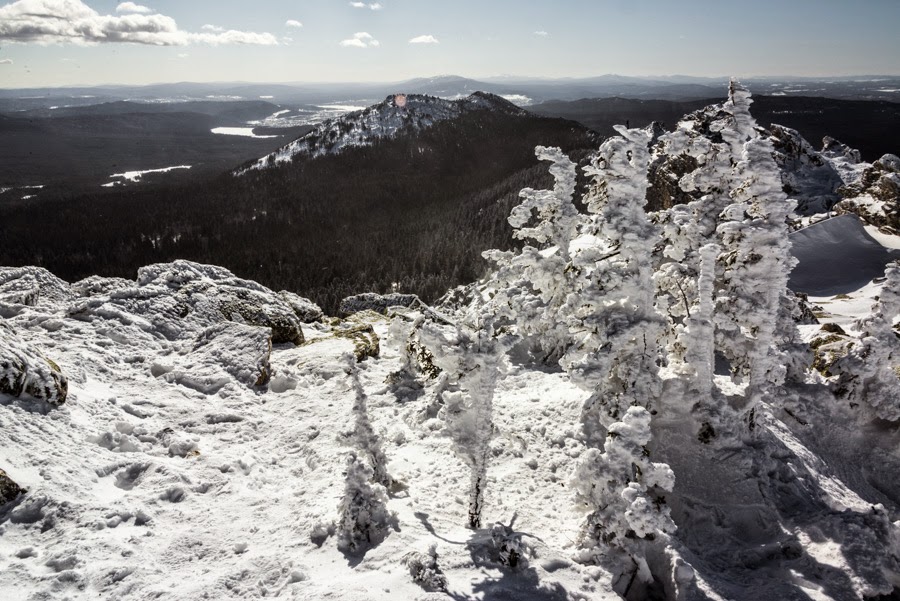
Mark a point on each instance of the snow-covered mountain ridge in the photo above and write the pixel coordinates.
(396, 114)
(629, 406)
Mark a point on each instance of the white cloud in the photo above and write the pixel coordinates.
(424, 39)
(370, 6)
(131, 7)
(6, 61)
(541, 33)
(213, 28)
(361, 39)
(183, 55)
(72, 21)
(293, 23)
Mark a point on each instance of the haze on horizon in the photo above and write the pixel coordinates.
(46, 43)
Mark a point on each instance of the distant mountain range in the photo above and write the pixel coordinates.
(521, 90)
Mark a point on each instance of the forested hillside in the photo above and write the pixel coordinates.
(416, 211)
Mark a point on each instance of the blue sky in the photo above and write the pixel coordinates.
(69, 42)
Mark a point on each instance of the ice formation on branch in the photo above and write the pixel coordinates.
(364, 518)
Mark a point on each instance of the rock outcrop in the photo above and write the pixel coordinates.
(178, 300)
(875, 196)
(370, 301)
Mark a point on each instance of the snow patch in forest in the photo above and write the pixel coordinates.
(134, 176)
(246, 132)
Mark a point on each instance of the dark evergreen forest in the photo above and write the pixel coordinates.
(417, 211)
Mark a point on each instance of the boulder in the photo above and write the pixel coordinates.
(25, 372)
(663, 175)
(221, 353)
(808, 176)
(305, 309)
(875, 197)
(9, 490)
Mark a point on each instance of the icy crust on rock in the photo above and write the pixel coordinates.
(875, 195)
(396, 114)
(31, 285)
(177, 300)
(25, 372)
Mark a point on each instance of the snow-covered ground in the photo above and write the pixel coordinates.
(142, 486)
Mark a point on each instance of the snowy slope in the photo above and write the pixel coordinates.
(837, 256)
(397, 113)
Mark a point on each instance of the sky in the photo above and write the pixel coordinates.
(90, 42)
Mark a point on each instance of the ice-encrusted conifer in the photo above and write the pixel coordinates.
(531, 286)
(365, 520)
(470, 358)
(756, 258)
(622, 490)
(867, 374)
(612, 316)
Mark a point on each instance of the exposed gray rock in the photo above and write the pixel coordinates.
(9, 490)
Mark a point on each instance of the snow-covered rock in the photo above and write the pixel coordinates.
(219, 353)
(807, 175)
(380, 303)
(31, 285)
(875, 196)
(25, 372)
(177, 300)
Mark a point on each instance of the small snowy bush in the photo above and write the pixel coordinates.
(424, 569)
(364, 518)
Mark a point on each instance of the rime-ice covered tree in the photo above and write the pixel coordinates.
(612, 316)
(364, 520)
(623, 492)
(867, 374)
(470, 359)
(756, 259)
(532, 285)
